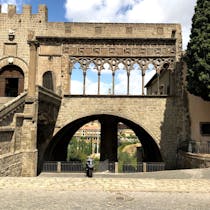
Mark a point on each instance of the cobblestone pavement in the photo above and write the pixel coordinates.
(188, 189)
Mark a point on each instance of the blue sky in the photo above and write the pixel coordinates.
(56, 9)
(136, 11)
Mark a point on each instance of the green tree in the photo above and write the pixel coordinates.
(78, 150)
(198, 52)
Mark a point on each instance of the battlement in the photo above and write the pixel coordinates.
(26, 11)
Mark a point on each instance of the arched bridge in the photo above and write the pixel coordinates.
(110, 72)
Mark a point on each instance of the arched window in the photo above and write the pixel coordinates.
(92, 79)
(121, 80)
(106, 80)
(76, 79)
(150, 76)
(136, 80)
(48, 80)
(11, 81)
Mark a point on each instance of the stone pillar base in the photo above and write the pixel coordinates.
(29, 163)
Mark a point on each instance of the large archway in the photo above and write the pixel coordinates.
(11, 81)
(57, 148)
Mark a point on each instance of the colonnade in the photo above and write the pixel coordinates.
(113, 64)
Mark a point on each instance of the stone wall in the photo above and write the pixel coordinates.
(162, 117)
(157, 115)
(192, 160)
(6, 135)
(49, 104)
(11, 164)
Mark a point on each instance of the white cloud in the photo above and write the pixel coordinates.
(5, 3)
(105, 88)
(76, 87)
(121, 82)
(91, 87)
(136, 82)
(153, 11)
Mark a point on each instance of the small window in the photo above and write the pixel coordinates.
(173, 34)
(205, 128)
(48, 80)
(11, 87)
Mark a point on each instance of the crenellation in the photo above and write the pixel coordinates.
(11, 10)
(27, 9)
(43, 12)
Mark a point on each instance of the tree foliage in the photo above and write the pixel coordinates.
(198, 52)
(78, 150)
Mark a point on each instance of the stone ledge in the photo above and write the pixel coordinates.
(117, 96)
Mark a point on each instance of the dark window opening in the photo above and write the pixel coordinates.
(205, 128)
(48, 80)
(11, 87)
(168, 90)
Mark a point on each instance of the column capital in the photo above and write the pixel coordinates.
(33, 43)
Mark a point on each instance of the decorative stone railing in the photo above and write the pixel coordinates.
(8, 110)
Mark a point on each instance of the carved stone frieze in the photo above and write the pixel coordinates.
(120, 51)
(103, 47)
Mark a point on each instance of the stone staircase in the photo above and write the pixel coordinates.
(10, 157)
(4, 100)
(9, 106)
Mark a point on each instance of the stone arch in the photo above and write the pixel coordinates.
(48, 80)
(57, 148)
(11, 81)
(17, 62)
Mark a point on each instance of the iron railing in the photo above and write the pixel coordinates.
(155, 166)
(72, 167)
(130, 168)
(50, 166)
(79, 167)
(202, 147)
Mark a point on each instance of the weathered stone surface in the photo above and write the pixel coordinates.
(39, 46)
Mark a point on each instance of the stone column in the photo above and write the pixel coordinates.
(99, 82)
(158, 83)
(128, 83)
(139, 154)
(142, 87)
(33, 45)
(70, 73)
(29, 127)
(109, 141)
(113, 82)
(84, 81)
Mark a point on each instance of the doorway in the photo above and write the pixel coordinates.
(11, 87)
(11, 81)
